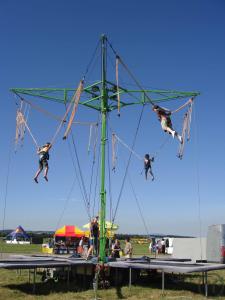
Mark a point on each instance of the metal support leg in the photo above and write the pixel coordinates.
(206, 284)
(84, 277)
(34, 280)
(95, 285)
(68, 277)
(29, 275)
(116, 280)
(163, 282)
(130, 278)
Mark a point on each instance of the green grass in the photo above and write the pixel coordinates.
(15, 286)
(26, 249)
(140, 249)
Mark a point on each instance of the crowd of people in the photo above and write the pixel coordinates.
(159, 246)
(89, 248)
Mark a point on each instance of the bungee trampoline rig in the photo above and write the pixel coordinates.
(105, 96)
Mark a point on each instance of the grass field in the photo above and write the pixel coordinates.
(14, 284)
(26, 249)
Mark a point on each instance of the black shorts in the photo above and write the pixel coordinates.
(43, 163)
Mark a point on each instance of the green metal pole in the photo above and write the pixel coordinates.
(104, 104)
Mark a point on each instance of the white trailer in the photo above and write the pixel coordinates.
(210, 248)
(190, 248)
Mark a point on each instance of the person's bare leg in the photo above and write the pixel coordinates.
(150, 171)
(170, 130)
(37, 174)
(46, 173)
(90, 250)
(146, 174)
(174, 134)
(179, 137)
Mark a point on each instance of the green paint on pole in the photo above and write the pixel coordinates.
(104, 104)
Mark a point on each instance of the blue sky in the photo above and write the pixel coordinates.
(178, 45)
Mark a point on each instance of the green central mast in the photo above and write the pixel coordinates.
(104, 106)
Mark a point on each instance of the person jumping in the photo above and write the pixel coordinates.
(43, 153)
(165, 120)
(147, 166)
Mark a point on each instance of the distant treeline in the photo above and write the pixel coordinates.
(32, 234)
(119, 236)
(49, 234)
(122, 236)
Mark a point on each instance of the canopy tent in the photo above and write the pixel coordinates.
(110, 227)
(18, 234)
(70, 231)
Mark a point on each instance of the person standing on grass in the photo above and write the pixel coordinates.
(150, 247)
(163, 246)
(116, 249)
(128, 250)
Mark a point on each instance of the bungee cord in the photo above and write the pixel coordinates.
(127, 166)
(198, 185)
(139, 206)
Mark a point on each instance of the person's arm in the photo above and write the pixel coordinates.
(49, 147)
(159, 115)
(118, 249)
(165, 110)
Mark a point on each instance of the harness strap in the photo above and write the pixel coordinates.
(185, 130)
(76, 99)
(90, 138)
(117, 83)
(114, 157)
(20, 126)
(21, 121)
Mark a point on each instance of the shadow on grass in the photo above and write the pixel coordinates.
(119, 292)
(44, 289)
(191, 283)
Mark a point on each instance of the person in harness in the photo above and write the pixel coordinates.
(148, 166)
(165, 120)
(43, 153)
